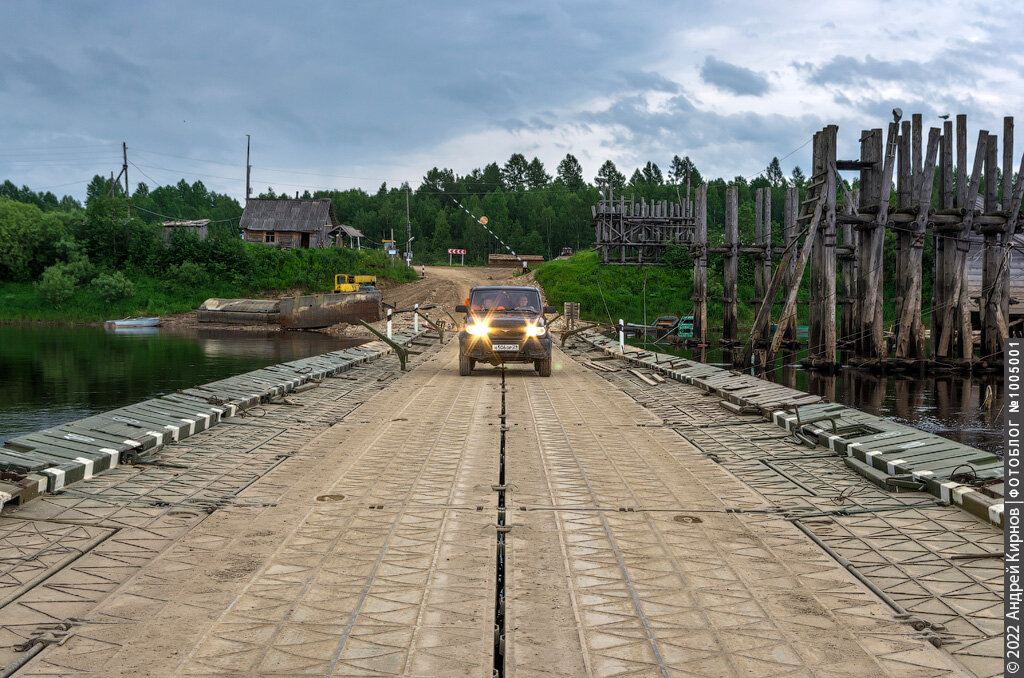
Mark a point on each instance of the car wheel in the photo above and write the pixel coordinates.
(543, 367)
(465, 365)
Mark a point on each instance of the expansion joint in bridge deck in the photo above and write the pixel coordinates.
(502, 532)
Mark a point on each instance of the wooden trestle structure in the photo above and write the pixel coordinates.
(839, 234)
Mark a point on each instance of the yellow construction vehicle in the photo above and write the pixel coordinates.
(354, 283)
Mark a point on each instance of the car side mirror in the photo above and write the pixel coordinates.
(550, 309)
(462, 308)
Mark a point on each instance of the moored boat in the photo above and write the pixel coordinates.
(132, 322)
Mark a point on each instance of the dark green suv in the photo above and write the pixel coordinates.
(505, 325)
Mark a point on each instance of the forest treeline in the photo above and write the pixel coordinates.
(531, 208)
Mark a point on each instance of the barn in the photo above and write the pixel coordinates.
(290, 224)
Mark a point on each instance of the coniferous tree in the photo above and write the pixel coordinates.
(652, 174)
(514, 172)
(774, 174)
(536, 177)
(570, 171)
(609, 175)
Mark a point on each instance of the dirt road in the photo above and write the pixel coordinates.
(448, 286)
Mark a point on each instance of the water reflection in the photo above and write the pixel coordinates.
(50, 375)
(962, 407)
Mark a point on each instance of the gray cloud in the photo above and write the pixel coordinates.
(361, 88)
(848, 70)
(735, 79)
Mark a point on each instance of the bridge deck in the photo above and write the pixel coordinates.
(356, 533)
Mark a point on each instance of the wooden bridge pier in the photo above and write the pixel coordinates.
(969, 215)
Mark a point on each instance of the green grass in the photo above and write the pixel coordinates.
(305, 272)
(618, 291)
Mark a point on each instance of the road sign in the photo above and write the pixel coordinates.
(452, 250)
(483, 220)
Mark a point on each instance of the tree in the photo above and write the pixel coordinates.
(536, 177)
(442, 239)
(636, 179)
(798, 177)
(652, 174)
(774, 174)
(609, 175)
(492, 179)
(570, 171)
(513, 174)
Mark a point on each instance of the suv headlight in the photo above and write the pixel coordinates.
(536, 330)
(477, 329)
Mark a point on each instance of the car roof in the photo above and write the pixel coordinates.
(506, 288)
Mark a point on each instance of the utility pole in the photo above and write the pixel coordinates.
(248, 168)
(127, 190)
(408, 232)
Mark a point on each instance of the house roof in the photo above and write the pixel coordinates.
(265, 214)
(352, 232)
(194, 223)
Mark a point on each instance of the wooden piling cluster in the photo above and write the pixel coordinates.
(631, 231)
(971, 216)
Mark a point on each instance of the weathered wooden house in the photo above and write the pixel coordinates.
(290, 224)
(201, 228)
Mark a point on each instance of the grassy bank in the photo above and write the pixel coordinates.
(256, 270)
(619, 291)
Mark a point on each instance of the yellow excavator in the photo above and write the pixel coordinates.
(354, 283)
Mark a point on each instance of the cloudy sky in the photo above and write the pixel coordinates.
(341, 94)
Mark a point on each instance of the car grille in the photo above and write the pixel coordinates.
(507, 334)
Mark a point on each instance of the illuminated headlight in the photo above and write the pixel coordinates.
(535, 330)
(477, 329)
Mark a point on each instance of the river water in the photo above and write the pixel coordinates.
(52, 375)
(964, 408)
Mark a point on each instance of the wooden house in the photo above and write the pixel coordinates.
(290, 224)
(201, 227)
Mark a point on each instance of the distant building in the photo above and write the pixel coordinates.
(507, 260)
(290, 224)
(354, 235)
(201, 227)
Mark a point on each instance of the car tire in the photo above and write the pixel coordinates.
(465, 365)
(543, 367)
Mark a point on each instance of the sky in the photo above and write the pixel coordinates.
(354, 94)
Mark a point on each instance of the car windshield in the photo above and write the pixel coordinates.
(505, 300)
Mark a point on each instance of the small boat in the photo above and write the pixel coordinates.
(125, 323)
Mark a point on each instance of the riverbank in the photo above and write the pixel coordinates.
(180, 289)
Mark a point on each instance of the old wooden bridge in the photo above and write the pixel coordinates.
(969, 212)
(636, 514)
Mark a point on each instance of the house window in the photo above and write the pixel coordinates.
(268, 236)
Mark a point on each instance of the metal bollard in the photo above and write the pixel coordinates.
(415, 318)
(622, 334)
(389, 323)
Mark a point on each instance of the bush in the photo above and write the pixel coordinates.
(57, 284)
(113, 286)
(188, 275)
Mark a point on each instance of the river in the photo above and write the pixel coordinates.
(964, 408)
(52, 375)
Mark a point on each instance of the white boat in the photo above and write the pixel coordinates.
(132, 322)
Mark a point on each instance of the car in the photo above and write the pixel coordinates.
(505, 324)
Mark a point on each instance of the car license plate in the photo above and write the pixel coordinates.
(505, 347)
